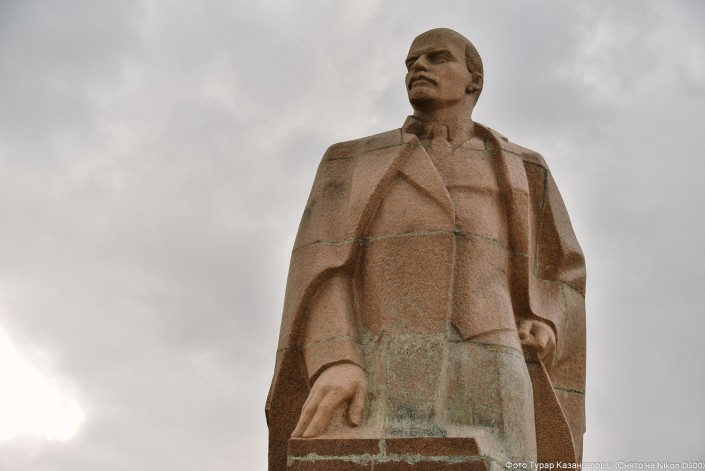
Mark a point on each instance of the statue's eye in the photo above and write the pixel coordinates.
(439, 58)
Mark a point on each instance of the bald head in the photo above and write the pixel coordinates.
(443, 70)
(472, 57)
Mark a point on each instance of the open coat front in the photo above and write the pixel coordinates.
(547, 275)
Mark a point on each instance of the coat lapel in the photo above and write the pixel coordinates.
(515, 190)
(420, 171)
(377, 166)
(515, 185)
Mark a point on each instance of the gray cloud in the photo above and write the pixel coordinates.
(155, 160)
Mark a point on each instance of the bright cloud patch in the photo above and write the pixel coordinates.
(31, 403)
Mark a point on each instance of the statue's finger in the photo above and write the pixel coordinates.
(542, 337)
(525, 329)
(357, 406)
(324, 414)
(307, 412)
(300, 425)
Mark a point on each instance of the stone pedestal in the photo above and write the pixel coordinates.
(390, 454)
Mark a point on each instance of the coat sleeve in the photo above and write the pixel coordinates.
(324, 246)
(557, 294)
(330, 333)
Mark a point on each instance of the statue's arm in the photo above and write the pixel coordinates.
(559, 273)
(332, 358)
(562, 264)
(557, 265)
(329, 331)
(560, 257)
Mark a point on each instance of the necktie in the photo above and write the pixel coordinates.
(441, 152)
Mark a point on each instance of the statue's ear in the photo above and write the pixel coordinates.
(476, 82)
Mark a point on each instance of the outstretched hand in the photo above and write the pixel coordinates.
(342, 384)
(538, 336)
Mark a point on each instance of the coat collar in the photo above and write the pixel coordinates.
(379, 164)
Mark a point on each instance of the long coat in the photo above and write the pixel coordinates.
(547, 276)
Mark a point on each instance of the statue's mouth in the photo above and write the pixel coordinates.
(421, 78)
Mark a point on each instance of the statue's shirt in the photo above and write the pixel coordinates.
(480, 300)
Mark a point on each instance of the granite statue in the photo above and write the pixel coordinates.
(435, 298)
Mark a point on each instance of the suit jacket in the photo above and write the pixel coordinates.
(547, 272)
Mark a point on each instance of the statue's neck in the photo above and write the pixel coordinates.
(460, 124)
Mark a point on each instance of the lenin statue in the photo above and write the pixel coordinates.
(436, 292)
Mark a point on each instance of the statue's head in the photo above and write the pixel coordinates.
(443, 68)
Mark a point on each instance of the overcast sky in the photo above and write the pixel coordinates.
(155, 158)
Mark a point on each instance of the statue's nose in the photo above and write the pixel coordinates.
(420, 64)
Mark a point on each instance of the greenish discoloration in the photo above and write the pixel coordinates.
(383, 457)
(569, 390)
(415, 426)
(366, 240)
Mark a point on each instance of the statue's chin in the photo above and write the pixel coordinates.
(422, 99)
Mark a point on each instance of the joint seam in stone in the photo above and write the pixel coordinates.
(364, 240)
(540, 224)
(301, 348)
(329, 339)
(569, 390)
(384, 458)
(347, 240)
(564, 301)
(382, 148)
(367, 239)
(545, 280)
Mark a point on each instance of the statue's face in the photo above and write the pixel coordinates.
(437, 71)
